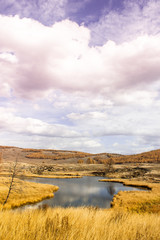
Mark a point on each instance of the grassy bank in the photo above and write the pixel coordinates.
(52, 176)
(137, 201)
(55, 175)
(24, 192)
(79, 224)
(43, 176)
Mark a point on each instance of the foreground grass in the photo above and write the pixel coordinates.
(24, 192)
(78, 224)
(137, 201)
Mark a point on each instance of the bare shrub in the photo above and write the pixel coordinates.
(80, 161)
(13, 173)
(90, 161)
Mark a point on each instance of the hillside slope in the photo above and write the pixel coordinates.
(49, 156)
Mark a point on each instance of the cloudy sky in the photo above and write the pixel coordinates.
(80, 74)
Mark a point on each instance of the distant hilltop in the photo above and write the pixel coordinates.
(48, 156)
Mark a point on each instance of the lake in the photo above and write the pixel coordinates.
(86, 191)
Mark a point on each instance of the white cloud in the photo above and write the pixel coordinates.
(136, 97)
(10, 122)
(115, 144)
(90, 115)
(9, 57)
(59, 57)
(141, 121)
(136, 19)
(72, 95)
(5, 90)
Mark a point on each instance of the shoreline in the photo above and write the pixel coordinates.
(130, 183)
(132, 201)
(24, 193)
(137, 201)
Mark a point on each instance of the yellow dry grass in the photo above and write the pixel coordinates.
(41, 155)
(56, 175)
(52, 176)
(24, 192)
(137, 201)
(78, 224)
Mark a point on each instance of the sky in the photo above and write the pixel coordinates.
(80, 75)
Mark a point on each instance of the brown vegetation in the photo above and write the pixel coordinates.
(23, 192)
(1, 160)
(57, 156)
(78, 224)
(6, 147)
(90, 161)
(74, 156)
(1, 157)
(31, 150)
(137, 201)
(146, 157)
(80, 161)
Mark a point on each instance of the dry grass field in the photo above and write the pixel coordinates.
(23, 192)
(137, 201)
(78, 224)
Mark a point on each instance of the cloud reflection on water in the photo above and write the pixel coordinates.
(86, 191)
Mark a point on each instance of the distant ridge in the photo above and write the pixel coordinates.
(9, 153)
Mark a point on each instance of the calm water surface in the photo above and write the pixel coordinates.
(86, 191)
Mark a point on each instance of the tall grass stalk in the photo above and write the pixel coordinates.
(78, 224)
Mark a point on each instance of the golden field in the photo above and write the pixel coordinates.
(137, 201)
(24, 192)
(78, 224)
